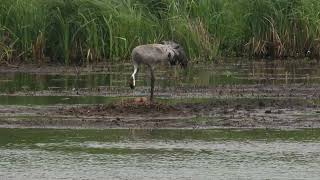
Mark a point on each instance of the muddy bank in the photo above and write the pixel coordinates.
(259, 94)
(214, 113)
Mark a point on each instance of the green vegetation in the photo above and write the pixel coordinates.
(86, 31)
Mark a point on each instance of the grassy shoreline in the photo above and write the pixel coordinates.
(87, 31)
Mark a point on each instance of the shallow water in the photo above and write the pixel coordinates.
(228, 73)
(156, 154)
(49, 100)
(159, 154)
(114, 82)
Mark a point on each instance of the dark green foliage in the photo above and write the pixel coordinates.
(86, 31)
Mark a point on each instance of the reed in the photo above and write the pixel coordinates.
(90, 31)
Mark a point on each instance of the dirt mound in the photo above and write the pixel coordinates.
(142, 107)
(140, 113)
(136, 107)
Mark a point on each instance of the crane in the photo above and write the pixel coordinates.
(154, 54)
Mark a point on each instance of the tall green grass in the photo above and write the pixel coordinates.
(89, 31)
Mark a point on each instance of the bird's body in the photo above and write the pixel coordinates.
(153, 54)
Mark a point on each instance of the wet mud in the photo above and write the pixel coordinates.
(214, 113)
(226, 96)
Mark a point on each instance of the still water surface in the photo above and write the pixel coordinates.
(62, 88)
(232, 72)
(159, 154)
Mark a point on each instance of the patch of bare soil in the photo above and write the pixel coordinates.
(133, 107)
(139, 113)
(145, 108)
(226, 113)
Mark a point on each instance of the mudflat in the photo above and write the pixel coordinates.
(252, 95)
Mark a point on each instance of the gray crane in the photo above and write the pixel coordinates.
(153, 54)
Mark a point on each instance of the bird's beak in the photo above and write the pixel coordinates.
(184, 65)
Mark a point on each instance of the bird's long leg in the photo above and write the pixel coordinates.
(135, 66)
(152, 83)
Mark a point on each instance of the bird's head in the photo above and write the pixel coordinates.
(179, 54)
(182, 57)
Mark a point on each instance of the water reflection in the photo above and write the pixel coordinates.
(51, 100)
(202, 76)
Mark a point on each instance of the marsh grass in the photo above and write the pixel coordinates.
(90, 31)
